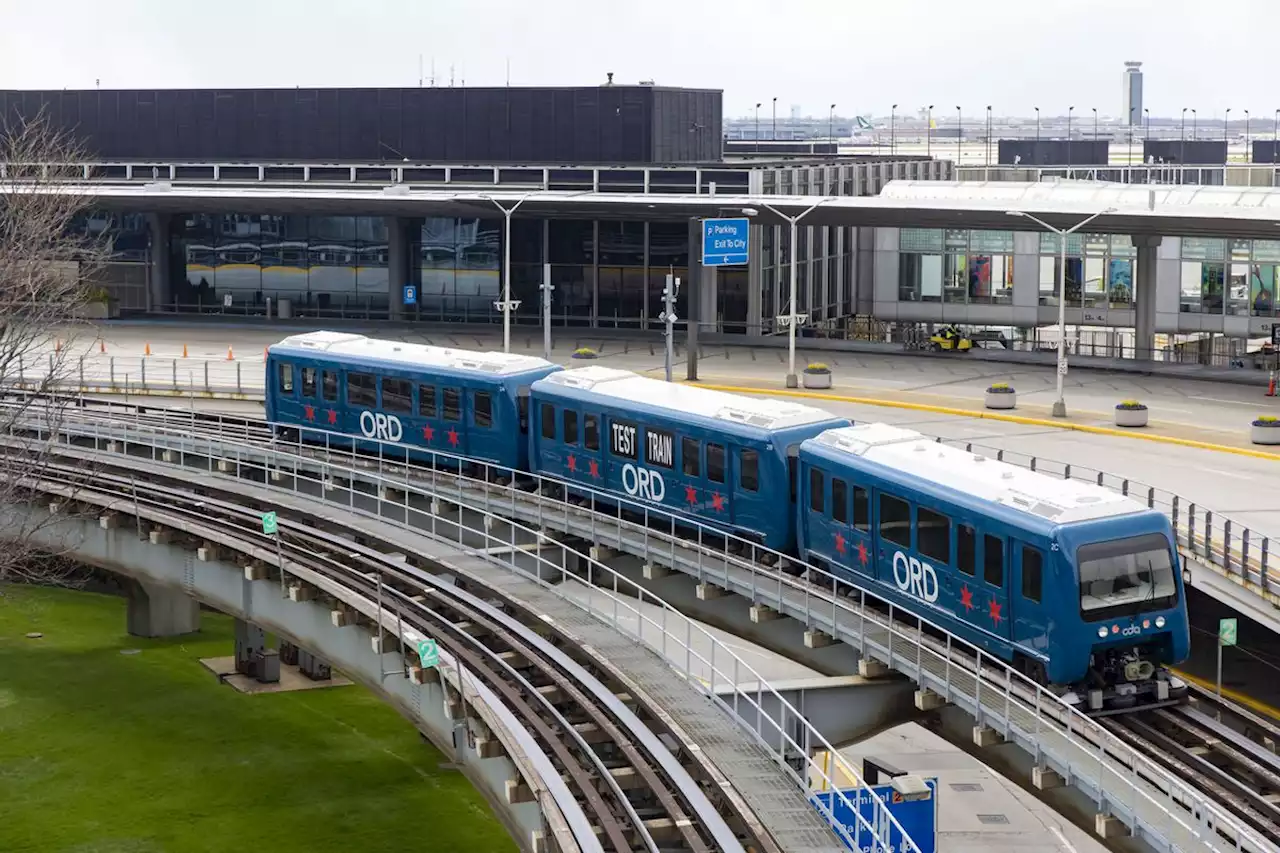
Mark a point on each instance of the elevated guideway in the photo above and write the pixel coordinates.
(1079, 766)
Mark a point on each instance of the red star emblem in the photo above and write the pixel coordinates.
(593, 468)
(690, 495)
(993, 610)
(453, 437)
(840, 543)
(966, 598)
(717, 501)
(309, 412)
(862, 553)
(573, 463)
(333, 416)
(428, 432)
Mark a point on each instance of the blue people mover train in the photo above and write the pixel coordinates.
(721, 459)
(472, 404)
(1077, 586)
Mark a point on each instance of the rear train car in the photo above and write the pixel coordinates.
(1075, 585)
(419, 397)
(724, 460)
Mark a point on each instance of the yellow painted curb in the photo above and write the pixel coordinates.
(995, 416)
(1234, 695)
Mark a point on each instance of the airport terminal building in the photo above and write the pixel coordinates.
(320, 259)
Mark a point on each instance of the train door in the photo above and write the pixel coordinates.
(861, 543)
(309, 391)
(482, 423)
(814, 500)
(720, 505)
(429, 429)
(590, 463)
(991, 602)
(286, 392)
(1030, 619)
(692, 498)
(451, 418)
(749, 511)
(574, 464)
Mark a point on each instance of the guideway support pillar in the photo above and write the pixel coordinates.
(1144, 296)
(157, 611)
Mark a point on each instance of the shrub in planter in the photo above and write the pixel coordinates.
(1001, 396)
(584, 352)
(1131, 413)
(1265, 430)
(817, 375)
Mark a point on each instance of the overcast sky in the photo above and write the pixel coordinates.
(862, 55)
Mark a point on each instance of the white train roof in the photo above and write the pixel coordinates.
(1056, 500)
(413, 355)
(629, 387)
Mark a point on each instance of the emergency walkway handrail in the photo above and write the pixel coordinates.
(790, 738)
(1018, 691)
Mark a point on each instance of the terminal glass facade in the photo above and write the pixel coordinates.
(1100, 270)
(1235, 277)
(956, 266)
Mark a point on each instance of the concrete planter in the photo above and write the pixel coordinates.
(1265, 433)
(1001, 400)
(1131, 417)
(817, 380)
(583, 355)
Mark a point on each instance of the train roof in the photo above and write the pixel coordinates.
(629, 388)
(1054, 500)
(348, 345)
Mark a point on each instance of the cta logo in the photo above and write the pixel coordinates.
(380, 426)
(643, 483)
(1127, 631)
(915, 577)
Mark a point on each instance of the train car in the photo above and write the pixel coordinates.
(1075, 585)
(473, 404)
(722, 459)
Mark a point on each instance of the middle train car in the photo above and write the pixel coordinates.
(1074, 584)
(723, 460)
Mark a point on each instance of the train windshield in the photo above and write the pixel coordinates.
(1126, 576)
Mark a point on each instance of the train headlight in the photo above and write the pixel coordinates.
(1102, 632)
(1159, 621)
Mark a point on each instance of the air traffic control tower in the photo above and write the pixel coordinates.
(1132, 93)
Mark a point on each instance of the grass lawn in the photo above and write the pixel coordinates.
(104, 752)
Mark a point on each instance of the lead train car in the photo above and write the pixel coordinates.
(417, 396)
(1074, 584)
(721, 459)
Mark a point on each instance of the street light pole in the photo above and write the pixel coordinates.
(1037, 109)
(775, 119)
(1060, 405)
(831, 124)
(757, 128)
(959, 135)
(893, 139)
(506, 306)
(928, 130)
(791, 318)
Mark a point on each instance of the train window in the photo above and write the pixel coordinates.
(622, 439)
(548, 420)
(861, 509)
(286, 378)
(993, 560)
(933, 534)
(482, 409)
(308, 381)
(397, 395)
(452, 404)
(839, 500)
(570, 427)
(591, 432)
(690, 457)
(966, 549)
(816, 495)
(659, 448)
(749, 470)
(895, 520)
(715, 463)
(1032, 568)
(362, 390)
(427, 406)
(329, 385)
(522, 412)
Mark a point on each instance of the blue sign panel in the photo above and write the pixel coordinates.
(410, 295)
(919, 818)
(725, 242)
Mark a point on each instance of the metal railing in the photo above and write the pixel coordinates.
(1154, 802)
(790, 738)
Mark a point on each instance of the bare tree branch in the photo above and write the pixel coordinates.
(48, 262)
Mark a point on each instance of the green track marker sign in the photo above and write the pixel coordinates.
(1227, 631)
(428, 653)
(269, 523)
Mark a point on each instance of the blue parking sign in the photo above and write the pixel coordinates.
(410, 295)
(918, 818)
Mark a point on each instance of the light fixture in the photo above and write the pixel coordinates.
(1102, 632)
(1159, 621)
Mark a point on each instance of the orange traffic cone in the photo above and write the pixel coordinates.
(1271, 385)
(57, 346)
(184, 350)
(148, 349)
(230, 357)
(102, 345)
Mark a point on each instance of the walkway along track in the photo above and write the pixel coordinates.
(226, 488)
(1155, 804)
